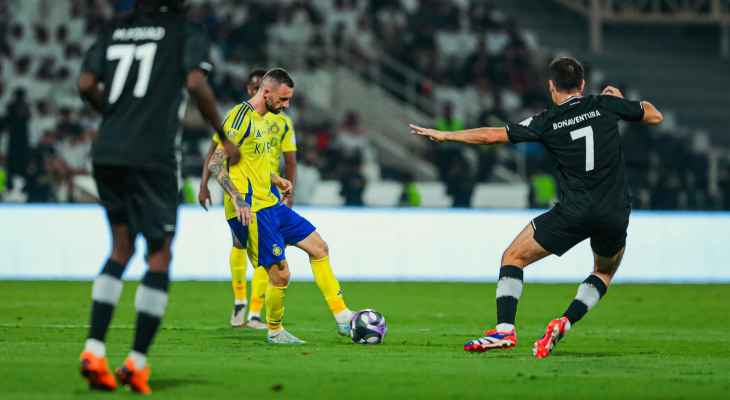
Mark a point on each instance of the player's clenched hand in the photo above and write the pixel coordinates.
(232, 152)
(284, 185)
(612, 91)
(433, 134)
(204, 197)
(243, 211)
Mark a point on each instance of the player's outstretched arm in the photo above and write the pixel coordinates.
(471, 136)
(90, 92)
(198, 87)
(652, 116)
(220, 172)
(203, 192)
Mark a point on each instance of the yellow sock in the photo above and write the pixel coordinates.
(275, 306)
(237, 262)
(328, 284)
(259, 283)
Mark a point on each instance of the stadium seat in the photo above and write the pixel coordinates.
(500, 195)
(433, 194)
(382, 193)
(327, 193)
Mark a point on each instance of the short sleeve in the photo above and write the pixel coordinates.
(236, 125)
(529, 130)
(627, 110)
(289, 140)
(94, 60)
(196, 51)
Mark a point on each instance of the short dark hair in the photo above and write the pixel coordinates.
(279, 75)
(566, 73)
(256, 73)
(155, 6)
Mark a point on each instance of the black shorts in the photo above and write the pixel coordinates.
(144, 199)
(558, 231)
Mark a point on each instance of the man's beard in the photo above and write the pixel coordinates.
(270, 108)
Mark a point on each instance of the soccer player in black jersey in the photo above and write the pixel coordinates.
(134, 75)
(582, 133)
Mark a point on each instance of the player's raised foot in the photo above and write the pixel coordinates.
(96, 372)
(555, 331)
(137, 379)
(256, 323)
(492, 340)
(238, 316)
(283, 337)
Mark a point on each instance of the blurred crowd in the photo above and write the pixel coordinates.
(475, 64)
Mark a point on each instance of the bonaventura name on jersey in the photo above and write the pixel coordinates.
(576, 120)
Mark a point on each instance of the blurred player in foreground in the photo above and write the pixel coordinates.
(582, 133)
(143, 62)
(259, 220)
(283, 143)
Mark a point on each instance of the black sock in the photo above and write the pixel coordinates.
(105, 294)
(589, 292)
(509, 290)
(151, 300)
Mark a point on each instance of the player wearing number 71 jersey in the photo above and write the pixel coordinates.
(582, 134)
(134, 74)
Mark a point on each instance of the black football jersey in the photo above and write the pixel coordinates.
(143, 63)
(582, 134)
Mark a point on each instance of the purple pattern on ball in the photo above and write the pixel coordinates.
(380, 327)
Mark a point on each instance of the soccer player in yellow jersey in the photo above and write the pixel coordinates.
(283, 142)
(257, 217)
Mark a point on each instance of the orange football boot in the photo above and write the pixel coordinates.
(96, 371)
(136, 379)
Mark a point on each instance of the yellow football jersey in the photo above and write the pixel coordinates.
(283, 138)
(252, 175)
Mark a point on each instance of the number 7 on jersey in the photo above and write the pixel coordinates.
(587, 133)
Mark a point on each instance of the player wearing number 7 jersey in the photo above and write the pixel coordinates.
(134, 75)
(582, 134)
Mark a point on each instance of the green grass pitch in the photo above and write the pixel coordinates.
(641, 341)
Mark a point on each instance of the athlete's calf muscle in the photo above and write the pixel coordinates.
(606, 267)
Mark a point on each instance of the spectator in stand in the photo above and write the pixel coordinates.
(477, 65)
(459, 181)
(352, 142)
(308, 176)
(74, 153)
(17, 121)
(352, 181)
(40, 183)
(447, 121)
(68, 127)
(410, 196)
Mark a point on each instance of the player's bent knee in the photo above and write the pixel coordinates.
(322, 250)
(279, 274)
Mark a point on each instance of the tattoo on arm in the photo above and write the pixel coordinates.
(220, 172)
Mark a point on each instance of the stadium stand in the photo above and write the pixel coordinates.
(456, 63)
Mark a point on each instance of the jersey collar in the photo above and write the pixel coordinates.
(570, 99)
